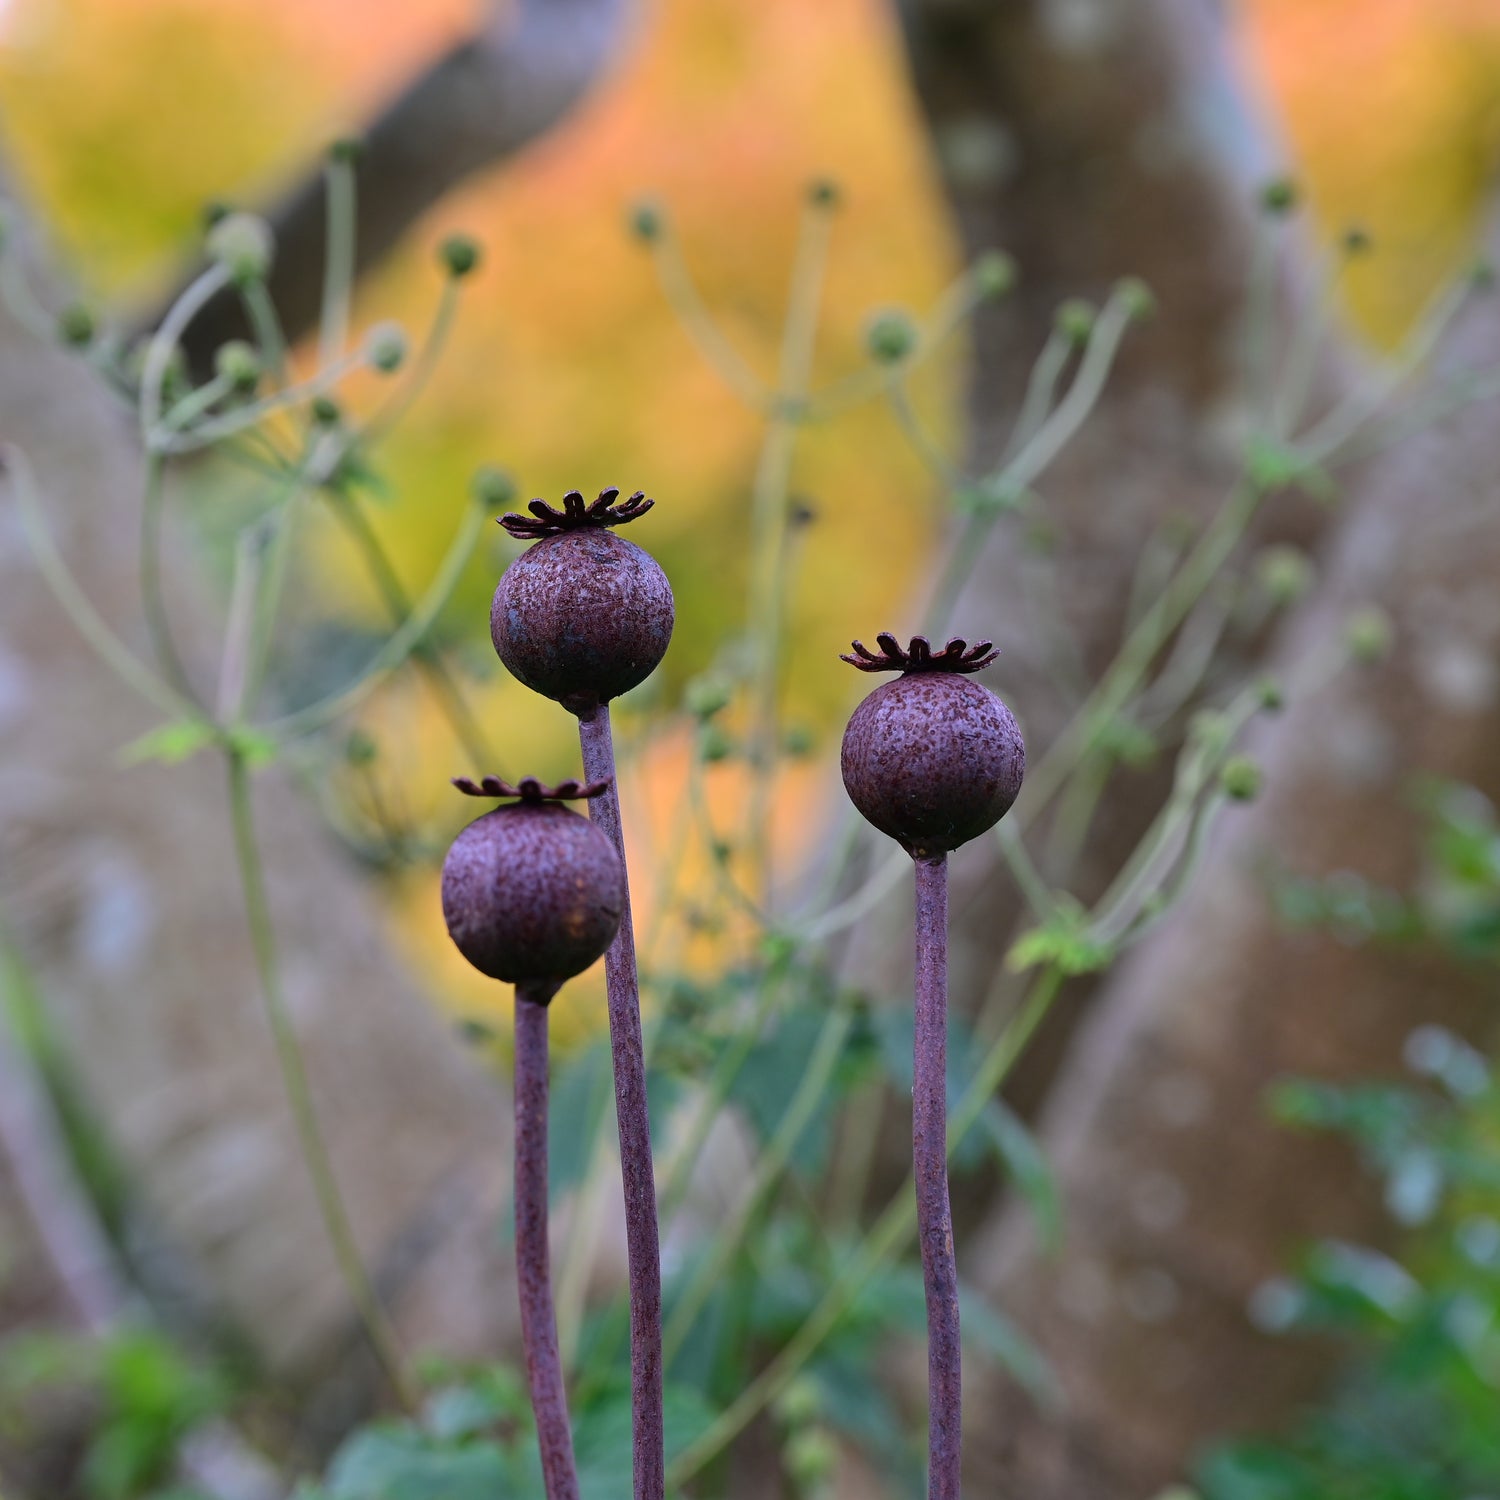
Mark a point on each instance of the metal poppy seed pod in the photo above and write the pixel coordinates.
(932, 759)
(532, 892)
(584, 615)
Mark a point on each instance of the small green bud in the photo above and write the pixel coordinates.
(1285, 573)
(798, 740)
(1139, 299)
(492, 488)
(1240, 778)
(646, 220)
(1075, 320)
(994, 274)
(1270, 695)
(800, 1403)
(811, 1456)
(459, 254)
(1357, 241)
(1369, 633)
(360, 748)
(1279, 197)
(325, 411)
(824, 192)
(347, 150)
(215, 211)
(238, 363)
(714, 744)
(244, 245)
(890, 336)
(707, 694)
(76, 326)
(385, 347)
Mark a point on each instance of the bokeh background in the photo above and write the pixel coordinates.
(122, 119)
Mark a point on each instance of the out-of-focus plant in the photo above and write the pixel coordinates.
(287, 431)
(1411, 1416)
(776, 1299)
(140, 1394)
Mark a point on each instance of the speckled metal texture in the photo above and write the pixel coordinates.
(582, 617)
(532, 891)
(544, 1373)
(929, 1154)
(933, 759)
(638, 1174)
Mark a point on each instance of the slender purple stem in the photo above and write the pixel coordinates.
(930, 1167)
(643, 1249)
(549, 1400)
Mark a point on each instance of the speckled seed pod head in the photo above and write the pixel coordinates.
(584, 615)
(532, 892)
(932, 759)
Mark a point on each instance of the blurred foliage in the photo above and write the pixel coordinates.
(1412, 1416)
(133, 1391)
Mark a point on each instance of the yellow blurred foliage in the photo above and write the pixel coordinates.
(1392, 112)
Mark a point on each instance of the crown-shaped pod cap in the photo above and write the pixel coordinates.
(532, 892)
(932, 759)
(584, 615)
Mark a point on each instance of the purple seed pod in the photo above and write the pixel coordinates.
(532, 892)
(584, 615)
(933, 759)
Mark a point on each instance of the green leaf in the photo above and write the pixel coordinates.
(171, 744)
(397, 1463)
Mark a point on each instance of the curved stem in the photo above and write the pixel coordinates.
(445, 689)
(637, 1172)
(400, 644)
(153, 600)
(929, 1147)
(299, 1093)
(549, 1400)
(74, 598)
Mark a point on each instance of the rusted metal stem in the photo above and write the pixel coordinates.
(549, 1400)
(930, 1168)
(639, 1176)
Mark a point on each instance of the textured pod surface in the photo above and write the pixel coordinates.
(933, 760)
(582, 617)
(532, 892)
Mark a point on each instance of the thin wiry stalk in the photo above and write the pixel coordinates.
(929, 1137)
(549, 1400)
(638, 1174)
(887, 1237)
(299, 1092)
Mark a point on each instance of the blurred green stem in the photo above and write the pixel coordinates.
(298, 1092)
(445, 689)
(768, 533)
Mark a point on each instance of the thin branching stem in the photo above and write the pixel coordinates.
(293, 1068)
